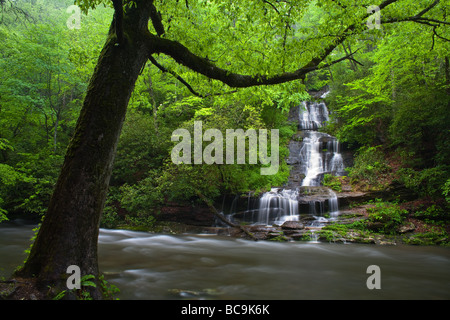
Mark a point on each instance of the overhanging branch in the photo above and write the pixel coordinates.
(179, 78)
(155, 16)
(419, 17)
(184, 82)
(206, 67)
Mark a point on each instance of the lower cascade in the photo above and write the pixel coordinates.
(312, 155)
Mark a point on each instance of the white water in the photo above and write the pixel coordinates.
(313, 115)
(158, 266)
(278, 206)
(319, 154)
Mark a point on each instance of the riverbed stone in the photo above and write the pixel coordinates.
(408, 227)
(299, 234)
(289, 225)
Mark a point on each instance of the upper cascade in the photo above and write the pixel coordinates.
(313, 115)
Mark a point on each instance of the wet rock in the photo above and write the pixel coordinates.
(262, 232)
(289, 225)
(307, 219)
(384, 242)
(299, 234)
(408, 227)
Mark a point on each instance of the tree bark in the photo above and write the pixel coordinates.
(69, 232)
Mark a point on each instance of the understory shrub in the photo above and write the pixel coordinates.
(430, 182)
(386, 216)
(369, 166)
(332, 182)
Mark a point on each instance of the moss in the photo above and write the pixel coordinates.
(279, 238)
(436, 237)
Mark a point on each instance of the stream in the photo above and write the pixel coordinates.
(192, 266)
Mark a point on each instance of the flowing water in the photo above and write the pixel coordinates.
(159, 266)
(318, 154)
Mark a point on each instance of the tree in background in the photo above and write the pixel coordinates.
(396, 101)
(45, 70)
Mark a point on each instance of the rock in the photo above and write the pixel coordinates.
(368, 240)
(186, 214)
(289, 225)
(299, 234)
(409, 227)
(353, 236)
(307, 219)
(385, 243)
(262, 232)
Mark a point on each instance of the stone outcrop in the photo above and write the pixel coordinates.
(186, 214)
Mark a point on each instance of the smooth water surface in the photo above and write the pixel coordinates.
(159, 266)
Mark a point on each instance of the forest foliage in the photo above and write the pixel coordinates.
(391, 98)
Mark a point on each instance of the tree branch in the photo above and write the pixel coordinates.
(222, 218)
(155, 16)
(419, 17)
(427, 21)
(204, 66)
(271, 4)
(118, 18)
(17, 11)
(421, 13)
(440, 37)
(184, 82)
(179, 78)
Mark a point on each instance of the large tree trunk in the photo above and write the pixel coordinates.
(69, 232)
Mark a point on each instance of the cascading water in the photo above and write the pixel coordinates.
(320, 151)
(318, 154)
(278, 206)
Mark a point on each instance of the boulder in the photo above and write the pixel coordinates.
(292, 225)
(187, 214)
(408, 227)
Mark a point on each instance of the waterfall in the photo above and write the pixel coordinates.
(320, 152)
(313, 115)
(278, 206)
(319, 155)
(310, 159)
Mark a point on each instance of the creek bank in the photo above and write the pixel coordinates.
(350, 226)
